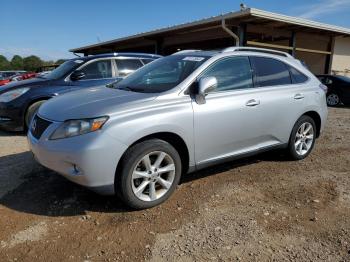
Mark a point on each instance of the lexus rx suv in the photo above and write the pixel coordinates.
(20, 100)
(176, 115)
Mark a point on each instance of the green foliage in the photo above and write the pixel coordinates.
(30, 63)
(17, 62)
(4, 63)
(60, 61)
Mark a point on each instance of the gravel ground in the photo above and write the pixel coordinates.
(263, 208)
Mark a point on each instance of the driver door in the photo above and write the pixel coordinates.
(97, 73)
(227, 123)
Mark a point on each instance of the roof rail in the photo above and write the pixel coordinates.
(186, 51)
(255, 49)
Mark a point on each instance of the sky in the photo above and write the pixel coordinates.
(49, 28)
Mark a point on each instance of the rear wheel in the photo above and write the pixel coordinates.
(333, 99)
(302, 139)
(31, 111)
(150, 172)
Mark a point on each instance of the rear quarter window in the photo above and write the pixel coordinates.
(297, 76)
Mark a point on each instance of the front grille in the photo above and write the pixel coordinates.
(38, 126)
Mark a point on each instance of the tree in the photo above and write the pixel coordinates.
(4, 63)
(32, 63)
(60, 61)
(17, 62)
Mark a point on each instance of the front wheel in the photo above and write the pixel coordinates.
(32, 110)
(150, 172)
(302, 139)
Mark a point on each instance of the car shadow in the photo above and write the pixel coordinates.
(11, 133)
(46, 193)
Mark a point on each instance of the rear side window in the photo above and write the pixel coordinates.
(270, 72)
(297, 76)
(127, 66)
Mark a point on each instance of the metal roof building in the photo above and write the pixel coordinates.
(324, 48)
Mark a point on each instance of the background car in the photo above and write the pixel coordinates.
(338, 89)
(7, 74)
(18, 77)
(20, 100)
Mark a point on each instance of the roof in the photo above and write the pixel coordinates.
(249, 12)
(119, 54)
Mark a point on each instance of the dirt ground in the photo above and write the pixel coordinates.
(264, 208)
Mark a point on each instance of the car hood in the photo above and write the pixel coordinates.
(90, 103)
(24, 83)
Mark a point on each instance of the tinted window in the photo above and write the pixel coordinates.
(270, 72)
(127, 66)
(98, 69)
(297, 76)
(231, 73)
(325, 80)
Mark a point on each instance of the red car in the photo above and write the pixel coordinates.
(18, 77)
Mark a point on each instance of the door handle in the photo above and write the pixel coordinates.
(298, 96)
(252, 102)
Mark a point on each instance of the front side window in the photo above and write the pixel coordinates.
(231, 73)
(97, 70)
(270, 72)
(161, 75)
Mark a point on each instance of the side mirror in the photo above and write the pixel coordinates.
(205, 85)
(77, 75)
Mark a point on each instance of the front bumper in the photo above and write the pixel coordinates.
(89, 160)
(11, 118)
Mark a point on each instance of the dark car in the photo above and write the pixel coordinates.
(19, 101)
(338, 89)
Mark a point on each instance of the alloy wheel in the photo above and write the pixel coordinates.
(333, 99)
(304, 139)
(153, 176)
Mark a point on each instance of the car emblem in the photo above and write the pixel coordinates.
(34, 125)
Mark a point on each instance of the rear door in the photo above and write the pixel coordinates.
(282, 99)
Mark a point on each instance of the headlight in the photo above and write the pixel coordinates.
(13, 94)
(78, 127)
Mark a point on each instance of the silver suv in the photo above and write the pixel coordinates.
(177, 115)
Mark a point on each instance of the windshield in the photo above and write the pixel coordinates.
(344, 78)
(64, 69)
(162, 74)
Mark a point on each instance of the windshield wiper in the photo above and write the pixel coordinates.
(127, 88)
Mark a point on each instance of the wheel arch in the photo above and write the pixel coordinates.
(173, 139)
(29, 104)
(317, 118)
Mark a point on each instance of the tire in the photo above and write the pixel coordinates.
(333, 99)
(31, 111)
(136, 179)
(299, 151)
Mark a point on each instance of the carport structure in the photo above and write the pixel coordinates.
(324, 48)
